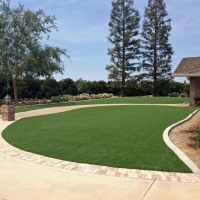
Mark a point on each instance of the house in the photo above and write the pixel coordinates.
(190, 68)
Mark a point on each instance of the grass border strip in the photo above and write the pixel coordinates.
(175, 149)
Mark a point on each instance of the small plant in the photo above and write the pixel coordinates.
(55, 99)
(197, 137)
(192, 129)
(197, 98)
(183, 95)
(67, 97)
(173, 94)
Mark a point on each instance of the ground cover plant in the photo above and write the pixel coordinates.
(118, 136)
(128, 100)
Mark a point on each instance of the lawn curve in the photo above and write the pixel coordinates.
(118, 136)
(125, 100)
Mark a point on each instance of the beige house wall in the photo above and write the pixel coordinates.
(194, 89)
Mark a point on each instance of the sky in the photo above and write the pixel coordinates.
(83, 30)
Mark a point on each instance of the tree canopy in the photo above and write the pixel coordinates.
(22, 50)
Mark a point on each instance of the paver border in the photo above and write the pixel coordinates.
(194, 168)
(16, 153)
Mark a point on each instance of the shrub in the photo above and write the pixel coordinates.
(2, 102)
(80, 97)
(66, 97)
(197, 98)
(183, 95)
(197, 137)
(100, 96)
(55, 99)
(173, 94)
(84, 96)
(39, 95)
(95, 96)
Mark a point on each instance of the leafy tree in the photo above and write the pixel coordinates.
(93, 87)
(28, 87)
(22, 53)
(113, 87)
(124, 25)
(68, 86)
(5, 87)
(102, 86)
(157, 52)
(50, 87)
(82, 86)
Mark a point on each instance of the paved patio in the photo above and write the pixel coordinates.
(25, 176)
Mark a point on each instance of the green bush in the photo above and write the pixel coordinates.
(80, 97)
(183, 95)
(55, 99)
(95, 96)
(2, 102)
(101, 96)
(173, 94)
(197, 137)
(66, 97)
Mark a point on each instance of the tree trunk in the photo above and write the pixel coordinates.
(155, 89)
(123, 94)
(14, 80)
(123, 55)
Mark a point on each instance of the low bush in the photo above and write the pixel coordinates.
(65, 98)
(56, 99)
(173, 94)
(183, 95)
(84, 96)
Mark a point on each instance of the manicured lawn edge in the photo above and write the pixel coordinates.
(194, 168)
(156, 139)
(122, 100)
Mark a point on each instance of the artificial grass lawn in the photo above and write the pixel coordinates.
(118, 136)
(129, 100)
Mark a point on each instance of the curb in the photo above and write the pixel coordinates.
(194, 168)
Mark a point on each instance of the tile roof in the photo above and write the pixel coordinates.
(188, 66)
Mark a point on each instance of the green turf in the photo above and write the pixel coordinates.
(130, 100)
(118, 136)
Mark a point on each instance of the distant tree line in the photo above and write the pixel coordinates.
(30, 87)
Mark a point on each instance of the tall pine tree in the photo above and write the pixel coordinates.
(124, 29)
(157, 52)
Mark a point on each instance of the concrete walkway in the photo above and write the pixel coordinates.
(25, 176)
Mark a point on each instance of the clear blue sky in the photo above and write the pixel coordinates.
(83, 30)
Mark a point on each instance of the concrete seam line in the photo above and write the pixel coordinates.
(194, 168)
(148, 190)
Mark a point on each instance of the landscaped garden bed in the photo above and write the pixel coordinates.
(187, 138)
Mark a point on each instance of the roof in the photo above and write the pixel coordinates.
(189, 67)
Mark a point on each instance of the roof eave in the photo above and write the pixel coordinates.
(186, 75)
